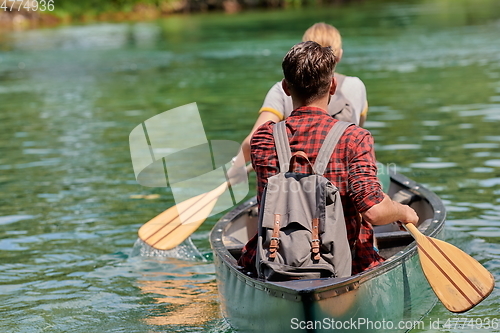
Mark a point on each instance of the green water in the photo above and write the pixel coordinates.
(69, 97)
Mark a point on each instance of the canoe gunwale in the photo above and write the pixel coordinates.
(318, 289)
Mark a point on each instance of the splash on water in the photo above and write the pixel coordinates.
(185, 251)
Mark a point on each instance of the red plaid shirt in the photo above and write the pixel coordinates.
(352, 169)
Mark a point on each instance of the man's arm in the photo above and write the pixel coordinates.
(264, 117)
(263, 154)
(375, 206)
(388, 211)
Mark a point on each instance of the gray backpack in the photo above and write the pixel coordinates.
(302, 232)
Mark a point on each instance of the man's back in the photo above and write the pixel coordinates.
(307, 127)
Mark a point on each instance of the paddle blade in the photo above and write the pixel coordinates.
(173, 226)
(459, 281)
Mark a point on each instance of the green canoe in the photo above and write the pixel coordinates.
(393, 297)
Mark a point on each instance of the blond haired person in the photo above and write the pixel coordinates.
(349, 102)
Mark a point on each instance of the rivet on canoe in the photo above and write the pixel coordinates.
(438, 212)
(435, 221)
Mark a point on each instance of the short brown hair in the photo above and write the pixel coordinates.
(325, 35)
(308, 69)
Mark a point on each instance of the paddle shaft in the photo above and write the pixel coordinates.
(221, 189)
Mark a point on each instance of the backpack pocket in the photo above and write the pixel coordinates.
(293, 256)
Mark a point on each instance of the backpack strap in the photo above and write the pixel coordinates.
(282, 145)
(328, 146)
(315, 241)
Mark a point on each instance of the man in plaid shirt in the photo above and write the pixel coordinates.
(308, 70)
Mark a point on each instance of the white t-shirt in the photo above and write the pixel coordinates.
(353, 88)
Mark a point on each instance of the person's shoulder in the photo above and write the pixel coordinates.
(351, 86)
(357, 139)
(264, 130)
(274, 93)
(277, 91)
(268, 125)
(357, 131)
(262, 138)
(277, 88)
(353, 81)
(276, 101)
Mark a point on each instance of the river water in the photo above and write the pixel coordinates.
(70, 206)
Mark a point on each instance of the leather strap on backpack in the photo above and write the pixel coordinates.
(304, 156)
(315, 239)
(275, 238)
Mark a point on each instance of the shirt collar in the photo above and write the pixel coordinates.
(308, 110)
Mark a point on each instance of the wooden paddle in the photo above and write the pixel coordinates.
(459, 281)
(173, 226)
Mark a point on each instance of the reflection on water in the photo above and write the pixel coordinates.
(70, 206)
(184, 290)
(188, 301)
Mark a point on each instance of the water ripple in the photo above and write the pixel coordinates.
(14, 218)
(433, 165)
